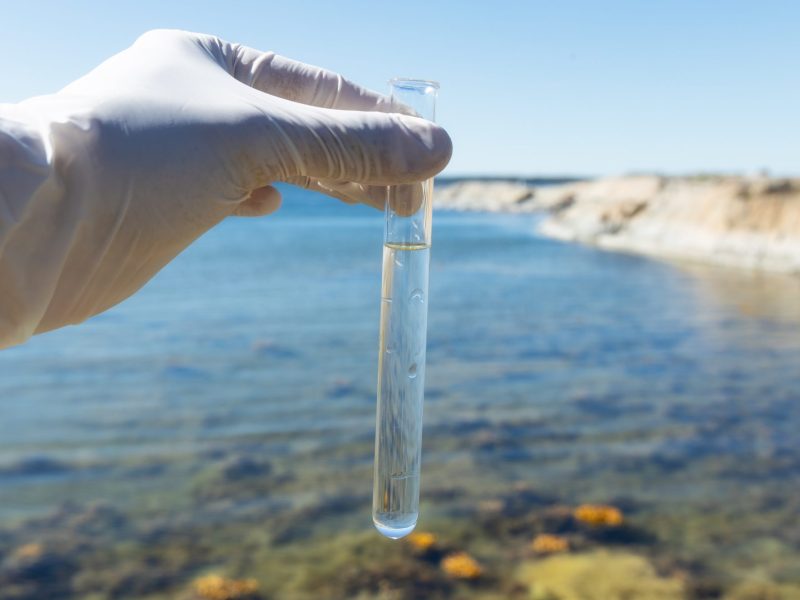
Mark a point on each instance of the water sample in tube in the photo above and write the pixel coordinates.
(403, 333)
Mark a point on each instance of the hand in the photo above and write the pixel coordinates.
(164, 140)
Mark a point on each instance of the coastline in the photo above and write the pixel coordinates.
(743, 222)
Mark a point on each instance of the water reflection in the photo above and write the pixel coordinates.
(772, 297)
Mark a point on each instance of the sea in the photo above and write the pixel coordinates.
(238, 387)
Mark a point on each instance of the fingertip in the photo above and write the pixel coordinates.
(405, 199)
(369, 148)
(443, 144)
(433, 148)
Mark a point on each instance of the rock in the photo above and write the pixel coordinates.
(461, 565)
(298, 524)
(216, 587)
(751, 223)
(36, 572)
(753, 590)
(342, 388)
(597, 576)
(273, 349)
(35, 465)
(241, 467)
(748, 222)
(493, 196)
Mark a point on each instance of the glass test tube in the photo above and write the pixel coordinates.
(403, 332)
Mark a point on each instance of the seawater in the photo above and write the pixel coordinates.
(238, 387)
(401, 388)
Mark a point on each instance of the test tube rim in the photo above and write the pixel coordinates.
(413, 83)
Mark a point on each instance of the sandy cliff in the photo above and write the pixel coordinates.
(737, 221)
(495, 196)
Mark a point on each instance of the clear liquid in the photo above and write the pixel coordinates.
(401, 383)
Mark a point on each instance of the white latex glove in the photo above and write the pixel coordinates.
(105, 182)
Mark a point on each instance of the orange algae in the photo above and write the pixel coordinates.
(547, 543)
(216, 587)
(421, 540)
(598, 515)
(461, 566)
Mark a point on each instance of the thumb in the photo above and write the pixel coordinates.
(363, 146)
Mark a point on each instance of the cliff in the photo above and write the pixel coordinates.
(493, 196)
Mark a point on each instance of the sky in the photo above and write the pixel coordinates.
(527, 87)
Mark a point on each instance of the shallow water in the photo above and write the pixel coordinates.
(239, 387)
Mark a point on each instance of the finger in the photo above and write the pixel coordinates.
(371, 195)
(369, 148)
(405, 200)
(271, 73)
(307, 84)
(339, 192)
(262, 201)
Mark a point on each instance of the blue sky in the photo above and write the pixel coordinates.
(527, 87)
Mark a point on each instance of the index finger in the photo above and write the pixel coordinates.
(300, 82)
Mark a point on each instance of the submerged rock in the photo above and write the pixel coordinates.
(422, 541)
(758, 590)
(216, 587)
(599, 515)
(597, 575)
(237, 477)
(240, 467)
(35, 465)
(34, 571)
(461, 565)
(548, 543)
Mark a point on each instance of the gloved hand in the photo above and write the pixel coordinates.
(103, 183)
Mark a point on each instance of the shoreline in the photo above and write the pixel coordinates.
(743, 222)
